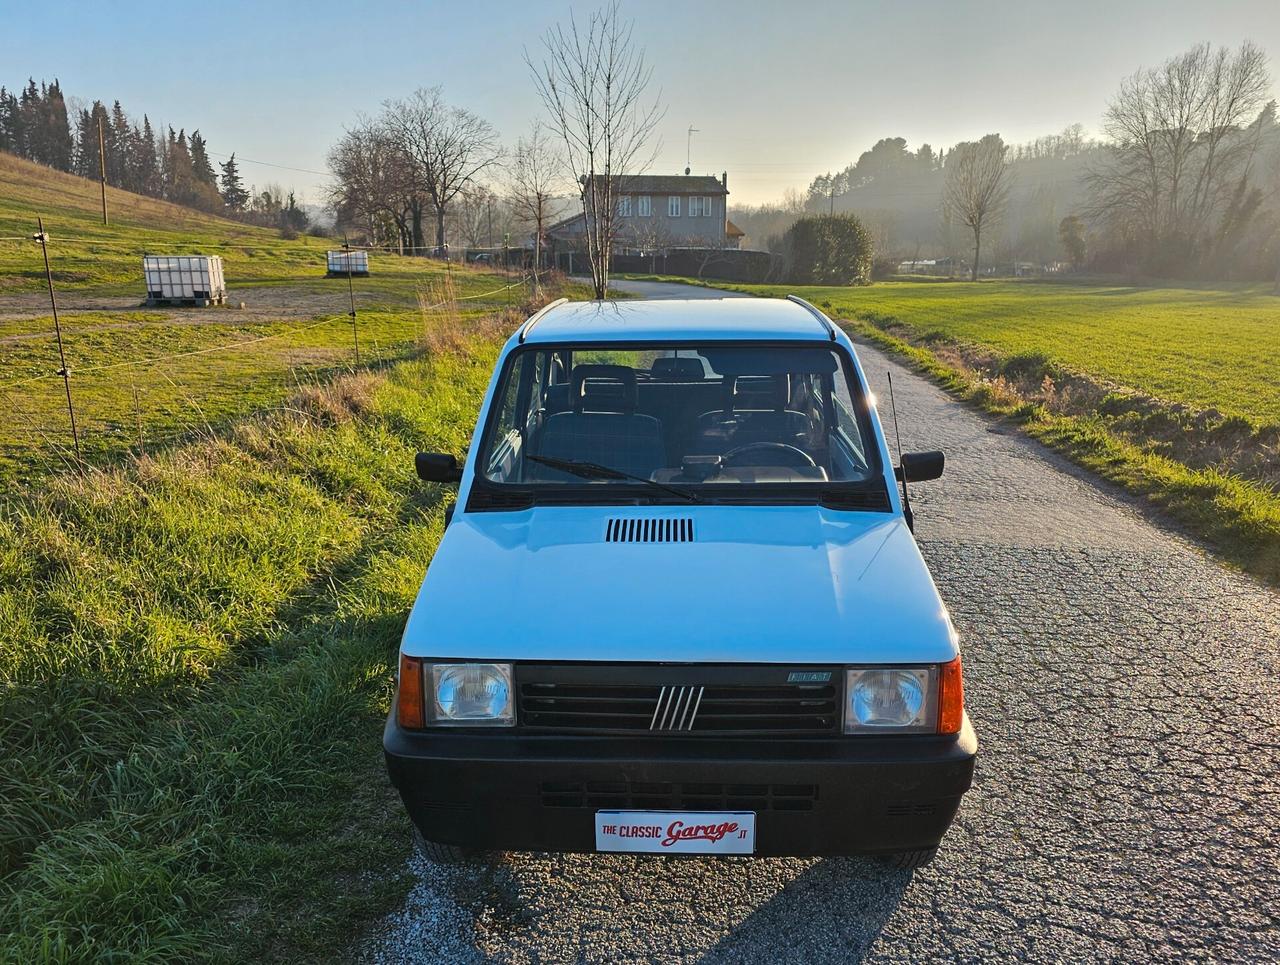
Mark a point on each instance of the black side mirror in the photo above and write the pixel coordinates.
(921, 466)
(440, 467)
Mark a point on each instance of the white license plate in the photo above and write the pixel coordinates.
(676, 832)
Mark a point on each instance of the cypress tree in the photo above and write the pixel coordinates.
(86, 145)
(146, 165)
(8, 117)
(57, 128)
(200, 165)
(234, 196)
(29, 143)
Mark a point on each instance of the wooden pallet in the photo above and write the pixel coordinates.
(184, 302)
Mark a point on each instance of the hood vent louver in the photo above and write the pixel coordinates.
(659, 530)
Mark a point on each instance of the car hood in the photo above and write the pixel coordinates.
(793, 584)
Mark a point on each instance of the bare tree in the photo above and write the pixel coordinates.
(592, 80)
(447, 147)
(977, 187)
(654, 237)
(371, 186)
(472, 216)
(1183, 139)
(533, 179)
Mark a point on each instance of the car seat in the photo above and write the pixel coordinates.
(603, 426)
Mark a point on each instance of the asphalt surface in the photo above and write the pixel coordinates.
(1127, 798)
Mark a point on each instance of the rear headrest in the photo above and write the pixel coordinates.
(761, 391)
(677, 369)
(603, 388)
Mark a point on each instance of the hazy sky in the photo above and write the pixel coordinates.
(780, 91)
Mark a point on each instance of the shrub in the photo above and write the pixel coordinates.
(828, 250)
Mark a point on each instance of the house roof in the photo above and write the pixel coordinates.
(668, 184)
(678, 320)
(564, 223)
(732, 230)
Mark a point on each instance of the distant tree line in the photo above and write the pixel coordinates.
(1185, 183)
(36, 124)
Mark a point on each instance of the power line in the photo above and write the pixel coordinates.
(272, 164)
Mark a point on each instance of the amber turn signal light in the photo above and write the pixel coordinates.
(950, 697)
(410, 710)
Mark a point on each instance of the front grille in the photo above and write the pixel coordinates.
(636, 796)
(684, 701)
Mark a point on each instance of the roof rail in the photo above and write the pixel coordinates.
(813, 310)
(537, 316)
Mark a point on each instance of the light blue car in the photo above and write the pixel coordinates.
(678, 608)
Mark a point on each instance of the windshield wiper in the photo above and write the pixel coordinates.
(591, 470)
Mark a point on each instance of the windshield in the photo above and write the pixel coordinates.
(677, 418)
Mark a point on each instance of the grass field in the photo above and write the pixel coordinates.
(1202, 348)
(195, 661)
(142, 378)
(197, 636)
(106, 259)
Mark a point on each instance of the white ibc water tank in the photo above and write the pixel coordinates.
(185, 278)
(357, 262)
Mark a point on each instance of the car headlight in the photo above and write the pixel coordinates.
(471, 694)
(891, 700)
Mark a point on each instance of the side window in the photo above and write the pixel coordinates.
(507, 409)
(846, 422)
(519, 413)
(624, 206)
(673, 206)
(644, 206)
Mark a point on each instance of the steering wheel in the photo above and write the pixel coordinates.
(785, 455)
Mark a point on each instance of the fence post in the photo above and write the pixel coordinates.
(57, 331)
(351, 293)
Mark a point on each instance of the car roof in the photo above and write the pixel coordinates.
(669, 319)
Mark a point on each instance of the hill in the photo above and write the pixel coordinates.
(105, 257)
(142, 378)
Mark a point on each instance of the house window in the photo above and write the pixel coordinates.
(699, 207)
(643, 206)
(673, 206)
(624, 206)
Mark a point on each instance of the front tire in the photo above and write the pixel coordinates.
(440, 853)
(910, 860)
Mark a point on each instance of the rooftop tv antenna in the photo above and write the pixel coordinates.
(688, 149)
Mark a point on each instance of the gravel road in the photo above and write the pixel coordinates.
(1127, 799)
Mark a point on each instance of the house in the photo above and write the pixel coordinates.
(658, 211)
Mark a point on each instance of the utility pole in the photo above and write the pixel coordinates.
(490, 206)
(102, 169)
(57, 331)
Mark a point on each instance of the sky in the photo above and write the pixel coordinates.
(778, 91)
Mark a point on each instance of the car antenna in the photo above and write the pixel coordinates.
(902, 472)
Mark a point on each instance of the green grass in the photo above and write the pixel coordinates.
(197, 635)
(135, 384)
(100, 258)
(1203, 348)
(195, 660)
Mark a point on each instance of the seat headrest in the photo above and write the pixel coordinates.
(677, 369)
(761, 391)
(603, 388)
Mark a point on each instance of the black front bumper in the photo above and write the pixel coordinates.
(828, 796)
